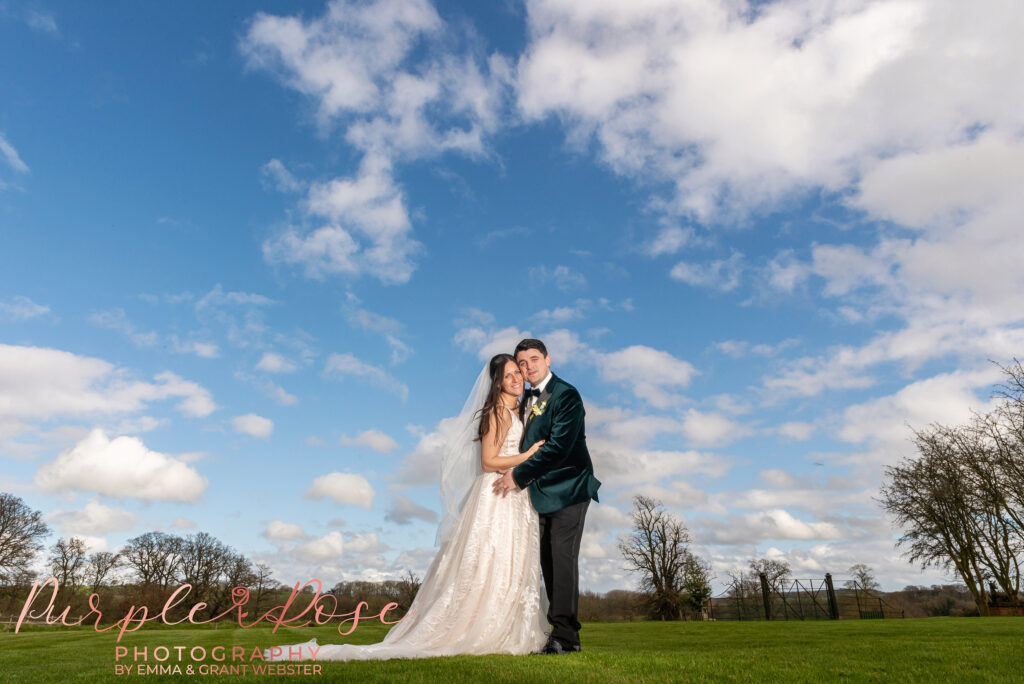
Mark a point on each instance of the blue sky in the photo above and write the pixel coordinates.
(257, 254)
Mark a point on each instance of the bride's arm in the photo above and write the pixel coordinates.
(490, 447)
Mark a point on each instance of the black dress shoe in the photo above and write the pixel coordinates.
(555, 647)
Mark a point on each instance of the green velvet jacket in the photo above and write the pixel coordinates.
(560, 473)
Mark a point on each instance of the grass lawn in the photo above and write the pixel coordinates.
(937, 649)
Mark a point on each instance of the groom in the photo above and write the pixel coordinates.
(562, 483)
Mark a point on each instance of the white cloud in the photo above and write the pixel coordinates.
(721, 274)
(651, 374)
(342, 488)
(19, 308)
(711, 429)
(626, 465)
(43, 384)
(283, 531)
(486, 343)
(41, 21)
(352, 62)
(562, 277)
(181, 523)
(669, 240)
(253, 425)
(739, 107)
(370, 230)
(390, 329)
(770, 524)
(10, 155)
(118, 320)
(373, 439)
(328, 547)
(121, 468)
(796, 431)
(947, 398)
(272, 362)
(404, 510)
(204, 350)
(340, 366)
(94, 518)
(279, 177)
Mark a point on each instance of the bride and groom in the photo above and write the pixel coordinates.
(482, 593)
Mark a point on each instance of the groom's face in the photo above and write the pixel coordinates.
(535, 366)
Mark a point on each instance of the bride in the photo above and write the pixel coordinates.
(482, 593)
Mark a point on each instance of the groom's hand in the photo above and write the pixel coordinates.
(505, 483)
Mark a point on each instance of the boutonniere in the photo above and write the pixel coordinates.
(538, 408)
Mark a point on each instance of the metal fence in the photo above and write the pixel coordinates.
(799, 599)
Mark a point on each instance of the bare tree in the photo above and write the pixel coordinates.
(100, 565)
(408, 587)
(155, 558)
(658, 549)
(263, 582)
(863, 578)
(21, 534)
(928, 497)
(775, 571)
(67, 562)
(203, 562)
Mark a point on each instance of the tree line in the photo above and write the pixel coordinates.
(960, 500)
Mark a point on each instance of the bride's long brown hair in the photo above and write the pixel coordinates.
(492, 405)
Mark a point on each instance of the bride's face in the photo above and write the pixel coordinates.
(512, 383)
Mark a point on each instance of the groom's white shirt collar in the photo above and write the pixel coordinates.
(543, 383)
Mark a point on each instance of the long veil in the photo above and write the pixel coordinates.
(460, 462)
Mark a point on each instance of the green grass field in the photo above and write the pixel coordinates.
(937, 649)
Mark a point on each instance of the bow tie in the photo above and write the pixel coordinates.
(531, 393)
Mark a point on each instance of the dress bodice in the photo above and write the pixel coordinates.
(515, 434)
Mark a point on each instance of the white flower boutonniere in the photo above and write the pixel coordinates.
(538, 408)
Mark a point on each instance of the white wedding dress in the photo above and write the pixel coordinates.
(481, 595)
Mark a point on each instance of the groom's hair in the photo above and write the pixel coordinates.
(531, 344)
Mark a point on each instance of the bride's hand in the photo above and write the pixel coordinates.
(535, 448)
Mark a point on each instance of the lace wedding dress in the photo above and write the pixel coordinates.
(482, 594)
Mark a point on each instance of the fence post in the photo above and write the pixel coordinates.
(833, 605)
(766, 595)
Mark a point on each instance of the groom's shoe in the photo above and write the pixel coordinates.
(555, 647)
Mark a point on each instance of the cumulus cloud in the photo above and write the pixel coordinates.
(253, 425)
(796, 431)
(41, 384)
(343, 489)
(275, 174)
(341, 366)
(404, 510)
(282, 531)
(121, 468)
(651, 374)
(327, 547)
(272, 362)
(369, 230)
(93, 518)
(946, 398)
(771, 524)
(745, 106)
(353, 62)
(373, 439)
(720, 274)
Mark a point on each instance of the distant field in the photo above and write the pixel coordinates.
(936, 649)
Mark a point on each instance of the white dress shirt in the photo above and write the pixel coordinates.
(540, 386)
